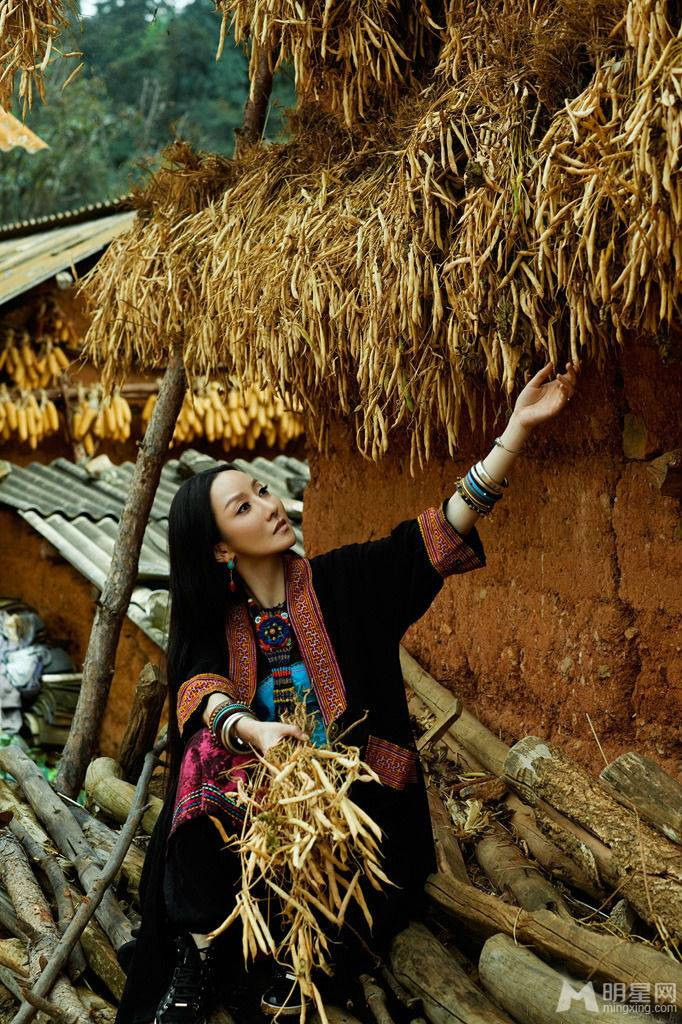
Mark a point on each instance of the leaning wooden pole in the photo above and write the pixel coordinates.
(112, 605)
(98, 668)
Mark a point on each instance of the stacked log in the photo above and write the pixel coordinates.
(554, 888)
(570, 894)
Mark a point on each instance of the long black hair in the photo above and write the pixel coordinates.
(199, 595)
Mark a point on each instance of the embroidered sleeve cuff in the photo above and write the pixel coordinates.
(449, 552)
(194, 690)
(395, 765)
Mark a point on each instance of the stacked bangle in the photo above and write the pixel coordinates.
(227, 709)
(479, 490)
(227, 734)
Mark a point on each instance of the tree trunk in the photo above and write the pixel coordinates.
(426, 968)
(112, 605)
(552, 857)
(61, 889)
(256, 109)
(102, 838)
(59, 954)
(531, 991)
(448, 854)
(645, 867)
(105, 787)
(583, 950)
(143, 721)
(637, 781)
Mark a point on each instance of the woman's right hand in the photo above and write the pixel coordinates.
(264, 735)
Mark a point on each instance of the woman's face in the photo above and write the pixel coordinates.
(247, 516)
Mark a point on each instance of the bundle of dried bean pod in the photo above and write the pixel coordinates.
(306, 842)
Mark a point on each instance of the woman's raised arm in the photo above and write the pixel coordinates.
(540, 400)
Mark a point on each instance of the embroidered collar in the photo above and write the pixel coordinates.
(313, 640)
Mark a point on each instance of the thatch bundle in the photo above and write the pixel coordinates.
(351, 54)
(27, 31)
(527, 200)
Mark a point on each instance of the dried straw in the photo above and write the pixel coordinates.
(305, 849)
(348, 54)
(28, 29)
(526, 200)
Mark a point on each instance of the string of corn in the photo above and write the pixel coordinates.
(29, 365)
(27, 418)
(97, 415)
(237, 419)
(309, 847)
(526, 204)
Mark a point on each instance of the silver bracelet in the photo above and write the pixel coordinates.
(513, 451)
(232, 742)
(495, 485)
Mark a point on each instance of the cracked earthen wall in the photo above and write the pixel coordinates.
(577, 616)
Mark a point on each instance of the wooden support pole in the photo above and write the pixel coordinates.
(256, 108)
(472, 734)
(112, 605)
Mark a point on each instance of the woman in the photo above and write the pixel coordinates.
(253, 626)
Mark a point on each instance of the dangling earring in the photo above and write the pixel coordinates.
(230, 566)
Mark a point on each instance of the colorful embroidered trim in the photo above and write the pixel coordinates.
(241, 649)
(447, 549)
(193, 691)
(395, 765)
(207, 796)
(313, 639)
(312, 636)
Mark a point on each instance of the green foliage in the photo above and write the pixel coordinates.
(150, 76)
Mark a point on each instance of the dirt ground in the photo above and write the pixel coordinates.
(577, 616)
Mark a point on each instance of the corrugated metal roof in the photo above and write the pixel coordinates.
(71, 490)
(78, 514)
(27, 261)
(76, 215)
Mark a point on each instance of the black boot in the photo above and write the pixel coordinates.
(186, 1000)
(283, 993)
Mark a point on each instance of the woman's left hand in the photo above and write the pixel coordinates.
(542, 398)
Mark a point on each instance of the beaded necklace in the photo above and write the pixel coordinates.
(275, 637)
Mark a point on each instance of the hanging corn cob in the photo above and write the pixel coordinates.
(95, 416)
(27, 417)
(236, 420)
(28, 367)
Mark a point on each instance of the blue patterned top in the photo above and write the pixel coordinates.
(264, 703)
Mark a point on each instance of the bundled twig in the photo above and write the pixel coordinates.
(305, 846)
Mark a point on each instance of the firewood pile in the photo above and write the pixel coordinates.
(557, 896)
